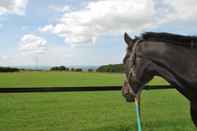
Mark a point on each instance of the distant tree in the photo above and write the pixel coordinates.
(78, 70)
(110, 68)
(67, 69)
(62, 68)
(9, 69)
(90, 70)
(59, 68)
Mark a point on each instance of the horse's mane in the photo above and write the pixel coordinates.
(189, 41)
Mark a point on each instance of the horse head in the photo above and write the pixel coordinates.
(137, 68)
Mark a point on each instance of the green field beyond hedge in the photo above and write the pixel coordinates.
(162, 110)
(63, 79)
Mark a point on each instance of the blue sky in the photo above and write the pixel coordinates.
(84, 32)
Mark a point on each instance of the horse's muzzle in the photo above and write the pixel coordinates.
(127, 92)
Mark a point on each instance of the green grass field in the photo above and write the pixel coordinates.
(163, 110)
(54, 79)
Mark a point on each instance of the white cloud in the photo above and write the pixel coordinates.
(103, 16)
(46, 28)
(184, 9)
(3, 57)
(54, 55)
(32, 44)
(98, 17)
(4, 60)
(59, 8)
(13, 6)
(175, 11)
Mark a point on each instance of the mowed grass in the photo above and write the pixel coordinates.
(64, 79)
(162, 110)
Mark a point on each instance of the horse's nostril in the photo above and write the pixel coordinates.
(129, 98)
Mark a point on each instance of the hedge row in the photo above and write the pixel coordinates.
(9, 69)
(111, 68)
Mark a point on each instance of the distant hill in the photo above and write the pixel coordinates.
(111, 68)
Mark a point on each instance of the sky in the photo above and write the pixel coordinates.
(84, 32)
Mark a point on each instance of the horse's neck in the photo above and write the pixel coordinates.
(181, 80)
(173, 79)
(176, 64)
(194, 112)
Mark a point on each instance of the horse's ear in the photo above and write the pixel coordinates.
(127, 38)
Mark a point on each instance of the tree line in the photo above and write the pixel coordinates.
(63, 68)
(9, 69)
(116, 68)
(104, 68)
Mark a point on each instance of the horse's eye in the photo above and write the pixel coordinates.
(125, 59)
(133, 62)
(134, 59)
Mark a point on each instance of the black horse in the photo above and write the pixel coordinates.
(171, 56)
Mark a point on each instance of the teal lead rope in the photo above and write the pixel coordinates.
(139, 124)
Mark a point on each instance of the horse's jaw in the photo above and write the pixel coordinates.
(128, 92)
